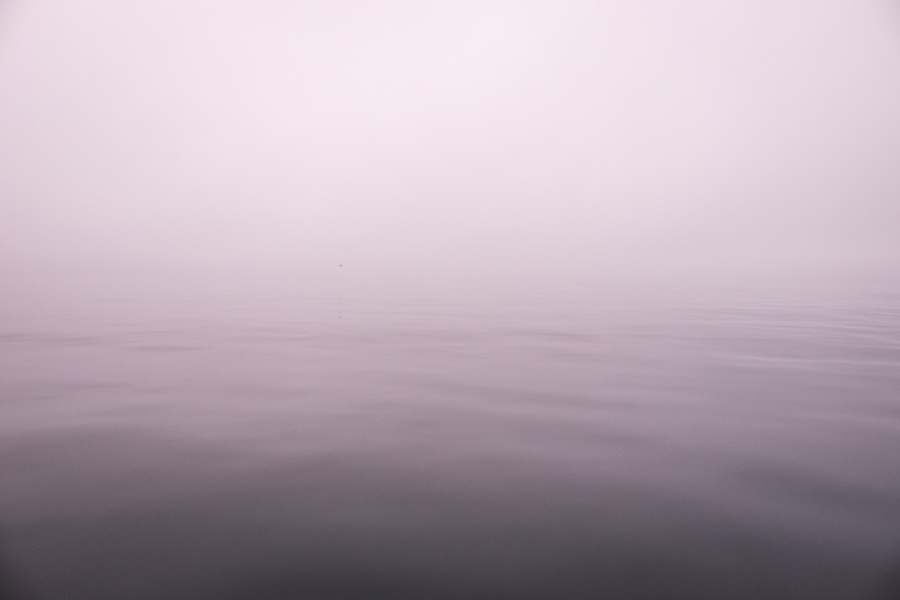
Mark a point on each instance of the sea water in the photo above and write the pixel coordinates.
(742, 444)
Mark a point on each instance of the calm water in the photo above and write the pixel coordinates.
(228, 447)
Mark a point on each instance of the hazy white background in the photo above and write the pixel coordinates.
(547, 141)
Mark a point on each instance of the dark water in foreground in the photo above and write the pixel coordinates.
(736, 447)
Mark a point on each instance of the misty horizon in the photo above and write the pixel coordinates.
(558, 142)
(532, 300)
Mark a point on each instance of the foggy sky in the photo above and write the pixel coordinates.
(539, 139)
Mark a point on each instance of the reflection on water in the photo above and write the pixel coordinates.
(739, 447)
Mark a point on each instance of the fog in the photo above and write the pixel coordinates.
(563, 141)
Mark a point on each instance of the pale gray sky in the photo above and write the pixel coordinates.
(535, 139)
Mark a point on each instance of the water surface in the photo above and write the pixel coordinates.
(739, 445)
